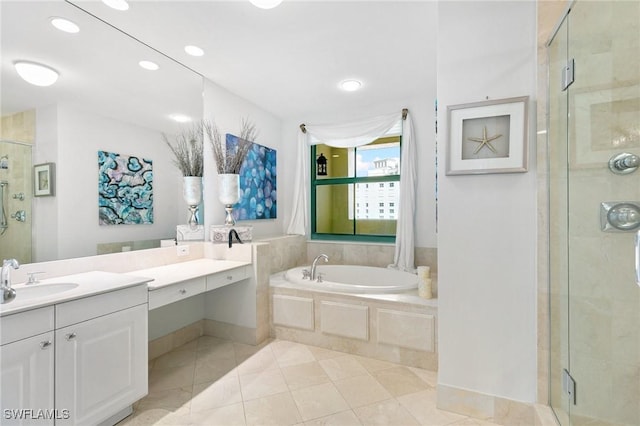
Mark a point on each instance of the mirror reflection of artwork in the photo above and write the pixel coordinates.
(125, 189)
(485, 137)
(43, 180)
(258, 181)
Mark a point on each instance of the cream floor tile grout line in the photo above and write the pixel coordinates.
(215, 382)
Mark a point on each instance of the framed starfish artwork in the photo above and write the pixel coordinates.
(488, 137)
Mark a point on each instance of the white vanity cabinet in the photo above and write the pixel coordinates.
(27, 364)
(101, 358)
(79, 362)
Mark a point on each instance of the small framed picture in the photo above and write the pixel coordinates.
(488, 137)
(44, 179)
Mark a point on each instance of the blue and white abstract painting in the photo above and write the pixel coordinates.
(258, 183)
(125, 189)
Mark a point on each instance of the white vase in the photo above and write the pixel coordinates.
(192, 193)
(229, 194)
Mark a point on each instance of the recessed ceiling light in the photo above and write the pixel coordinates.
(180, 118)
(117, 4)
(148, 65)
(350, 85)
(64, 25)
(193, 50)
(36, 74)
(265, 4)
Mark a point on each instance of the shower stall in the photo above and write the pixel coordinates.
(16, 190)
(594, 214)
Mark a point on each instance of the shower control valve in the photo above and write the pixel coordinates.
(624, 163)
(20, 216)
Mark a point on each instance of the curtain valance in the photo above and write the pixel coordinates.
(350, 135)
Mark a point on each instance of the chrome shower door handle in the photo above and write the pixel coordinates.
(638, 258)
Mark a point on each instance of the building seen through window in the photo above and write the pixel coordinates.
(357, 178)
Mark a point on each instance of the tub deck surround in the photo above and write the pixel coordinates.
(409, 297)
(89, 284)
(355, 279)
(171, 274)
(391, 327)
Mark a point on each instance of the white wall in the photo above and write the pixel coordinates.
(487, 224)
(45, 209)
(227, 111)
(80, 135)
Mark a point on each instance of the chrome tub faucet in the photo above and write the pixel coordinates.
(313, 265)
(8, 293)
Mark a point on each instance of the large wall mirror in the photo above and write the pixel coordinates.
(103, 100)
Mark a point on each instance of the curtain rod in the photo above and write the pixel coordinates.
(405, 111)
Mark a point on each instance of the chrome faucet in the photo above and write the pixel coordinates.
(233, 233)
(313, 265)
(8, 294)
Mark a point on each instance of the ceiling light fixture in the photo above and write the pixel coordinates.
(180, 118)
(117, 4)
(193, 50)
(265, 4)
(36, 74)
(64, 25)
(148, 65)
(350, 85)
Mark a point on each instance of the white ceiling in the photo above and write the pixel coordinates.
(289, 60)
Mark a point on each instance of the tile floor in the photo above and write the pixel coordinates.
(213, 382)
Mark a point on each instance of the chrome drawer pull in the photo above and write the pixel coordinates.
(70, 336)
(183, 291)
(229, 277)
(45, 344)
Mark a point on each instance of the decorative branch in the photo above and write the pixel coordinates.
(229, 160)
(188, 150)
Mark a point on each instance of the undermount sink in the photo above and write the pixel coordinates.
(42, 290)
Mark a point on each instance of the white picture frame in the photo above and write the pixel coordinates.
(44, 179)
(488, 137)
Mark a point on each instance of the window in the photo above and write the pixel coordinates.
(336, 199)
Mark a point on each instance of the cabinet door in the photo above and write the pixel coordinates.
(26, 381)
(101, 365)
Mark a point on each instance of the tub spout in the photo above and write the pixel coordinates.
(313, 265)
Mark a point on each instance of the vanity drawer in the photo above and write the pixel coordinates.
(84, 309)
(26, 324)
(174, 292)
(227, 277)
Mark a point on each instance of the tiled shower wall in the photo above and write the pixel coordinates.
(17, 133)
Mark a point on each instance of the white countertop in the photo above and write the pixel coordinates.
(89, 284)
(170, 274)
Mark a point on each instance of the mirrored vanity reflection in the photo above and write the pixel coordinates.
(103, 100)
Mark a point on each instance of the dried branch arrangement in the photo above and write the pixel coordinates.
(228, 159)
(188, 150)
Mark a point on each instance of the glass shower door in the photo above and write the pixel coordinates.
(595, 300)
(15, 202)
(604, 299)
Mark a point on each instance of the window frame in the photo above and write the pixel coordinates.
(315, 182)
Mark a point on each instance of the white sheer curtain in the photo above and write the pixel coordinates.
(350, 135)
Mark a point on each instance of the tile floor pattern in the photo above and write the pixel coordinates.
(214, 382)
